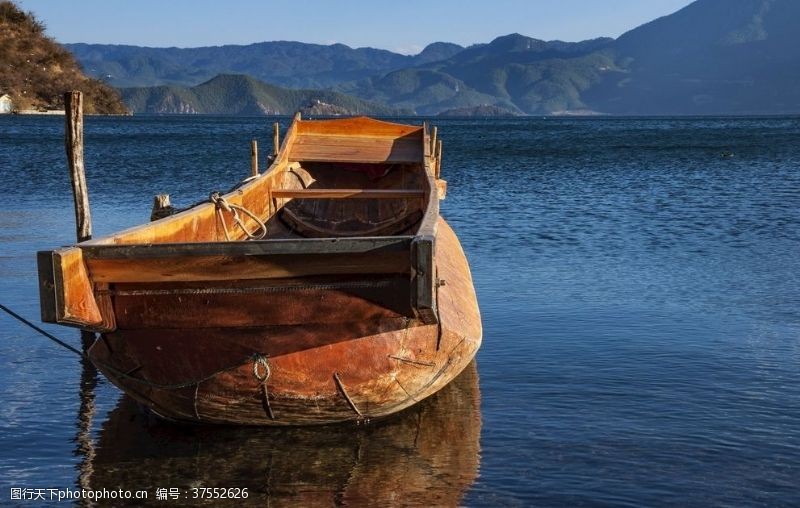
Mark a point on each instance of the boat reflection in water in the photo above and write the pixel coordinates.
(427, 455)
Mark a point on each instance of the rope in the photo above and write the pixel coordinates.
(223, 204)
(263, 361)
(49, 336)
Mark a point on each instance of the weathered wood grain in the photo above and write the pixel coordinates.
(73, 144)
(385, 363)
(217, 268)
(308, 147)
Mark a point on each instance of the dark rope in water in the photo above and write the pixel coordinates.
(49, 336)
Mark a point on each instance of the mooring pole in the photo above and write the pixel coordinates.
(253, 157)
(276, 139)
(73, 142)
(161, 207)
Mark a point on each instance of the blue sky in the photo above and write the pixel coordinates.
(405, 26)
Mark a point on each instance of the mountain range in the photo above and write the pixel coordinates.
(711, 57)
(282, 63)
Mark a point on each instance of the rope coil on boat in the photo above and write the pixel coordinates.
(222, 204)
(261, 360)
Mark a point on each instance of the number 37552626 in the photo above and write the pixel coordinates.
(219, 493)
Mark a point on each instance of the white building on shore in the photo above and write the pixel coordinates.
(6, 105)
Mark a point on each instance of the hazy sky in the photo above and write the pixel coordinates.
(405, 26)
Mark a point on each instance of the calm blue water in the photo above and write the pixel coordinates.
(640, 294)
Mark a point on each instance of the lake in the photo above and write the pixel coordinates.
(639, 283)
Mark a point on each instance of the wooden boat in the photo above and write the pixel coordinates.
(326, 289)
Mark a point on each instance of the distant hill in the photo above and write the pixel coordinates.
(243, 95)
(36, 71)
(711, 57)
(513, 72)
(483, 110)
(283, 63)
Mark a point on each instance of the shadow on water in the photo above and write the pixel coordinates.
(428, 455)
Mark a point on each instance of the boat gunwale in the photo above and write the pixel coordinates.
(276, 246)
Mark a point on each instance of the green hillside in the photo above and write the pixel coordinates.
(514, 72)
(244, 95)
(35, 71)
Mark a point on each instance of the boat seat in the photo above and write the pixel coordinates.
(315, 193)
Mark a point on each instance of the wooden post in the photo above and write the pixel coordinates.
(433, 139)
(161, 207)
(73, 143)
(276, 139)
(254, 158)
(438, 158)
(426, 147)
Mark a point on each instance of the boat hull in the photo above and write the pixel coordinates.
(330, 356)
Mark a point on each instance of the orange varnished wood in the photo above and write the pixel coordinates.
(386, 363)
(349, 193)
(283, 302)
(356, 149)
(215, 268)
(75, 302)
(361, 126)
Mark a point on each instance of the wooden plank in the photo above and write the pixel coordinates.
(424, 280)
(293, 246)
(348, 193)
(360, 126)
(106, 307)
(430, 220)
(220, 268)
(47, 286)
(287, 142)
(66, 292)
(353, 149)
(259, 302)
(355, 141)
